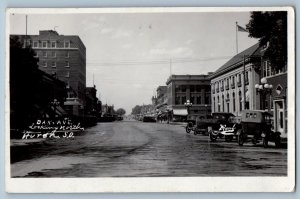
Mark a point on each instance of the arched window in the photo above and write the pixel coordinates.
(213, 103)
(219, 105)
(227, 101)
(233, 102)
(240, 100)
(223, 104)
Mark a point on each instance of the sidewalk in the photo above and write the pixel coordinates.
(174, 123)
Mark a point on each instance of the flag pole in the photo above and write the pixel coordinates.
(236, 37)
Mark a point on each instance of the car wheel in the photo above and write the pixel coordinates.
(265, 142)
(196, 131)
(212, 137)
(277, 141)
(187, 129)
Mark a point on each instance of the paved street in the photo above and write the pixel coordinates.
(131, 148)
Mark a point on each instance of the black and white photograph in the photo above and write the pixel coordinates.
(196, 96)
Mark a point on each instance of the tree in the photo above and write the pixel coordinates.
(121, 111)
(271, 29)
(136, 110)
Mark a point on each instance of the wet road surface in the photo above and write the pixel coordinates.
(133, 149)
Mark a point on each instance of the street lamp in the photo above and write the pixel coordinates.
(188, 104)
(264, 89)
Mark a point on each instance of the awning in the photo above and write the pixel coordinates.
(182, 112)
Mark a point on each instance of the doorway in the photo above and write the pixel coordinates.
(279, 116)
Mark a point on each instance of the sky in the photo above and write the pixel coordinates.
(131, 54)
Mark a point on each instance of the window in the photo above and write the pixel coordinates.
(233, 80)
(228, 101)
(67, 55)
(233, 101)
(26, 43)
(67, 44)
(240, 99)
(198, 88)
(198, 99)
(246, 76)
(192, 99)
(183, 88)
(67, 64)
(223, 103)
(192, 88)
(53, 64)
(206, 99)
(35, 44)
(44, 44)
(53, 44)
(267, 70)
(44, 54)
(44, 64)
(183, 100)
(177, 100)
(213, 103)
(219, 105)
(53, 54)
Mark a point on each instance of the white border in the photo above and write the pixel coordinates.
(158, 184)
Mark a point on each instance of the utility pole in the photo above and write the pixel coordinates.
(26, 32)
(236, 37)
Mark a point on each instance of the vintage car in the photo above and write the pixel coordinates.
(256, 124)
(210, 124)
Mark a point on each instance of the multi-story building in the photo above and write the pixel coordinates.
(233, 86)
(92, 102)
(63, 56)
(196, 89)
(162, 98)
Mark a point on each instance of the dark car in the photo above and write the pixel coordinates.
(210, 124)
(149, 118)
(256, 124)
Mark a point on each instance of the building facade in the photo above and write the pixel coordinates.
(233, 87)
(63, 56)
(196, 89)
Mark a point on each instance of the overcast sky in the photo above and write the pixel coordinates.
(130, 54)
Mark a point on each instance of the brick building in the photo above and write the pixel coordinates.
(63, 56)
(196, 89)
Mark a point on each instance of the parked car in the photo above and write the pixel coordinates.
(149, 118)
(210, 124)
(256, 124)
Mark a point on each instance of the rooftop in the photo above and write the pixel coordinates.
(237, 60)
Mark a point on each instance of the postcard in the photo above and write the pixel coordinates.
(150, 99)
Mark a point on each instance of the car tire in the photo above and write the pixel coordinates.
(212, 137)
(187, 129)
(277, 141)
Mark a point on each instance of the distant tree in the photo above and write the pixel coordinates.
(120, 111)
(136, 110)
(271, 29)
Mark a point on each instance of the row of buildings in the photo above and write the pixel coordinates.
(64, 58)
(246, 81)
